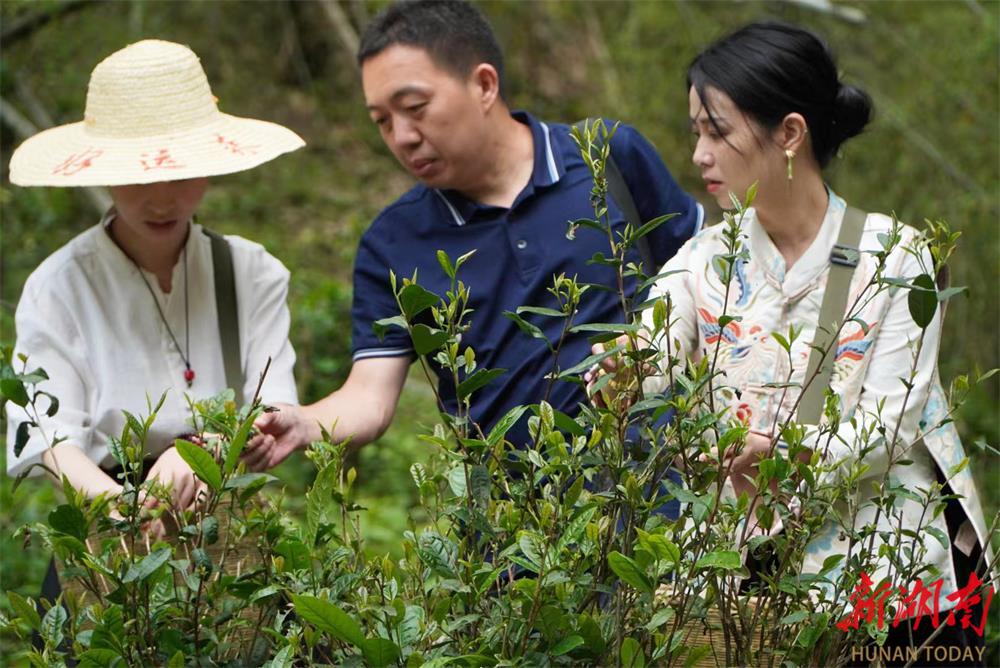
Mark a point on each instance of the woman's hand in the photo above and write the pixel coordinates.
(622, 390)
(174, 474)
(743, 466)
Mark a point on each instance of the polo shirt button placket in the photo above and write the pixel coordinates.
(521, 244)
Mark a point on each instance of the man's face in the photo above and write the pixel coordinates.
(430, 119)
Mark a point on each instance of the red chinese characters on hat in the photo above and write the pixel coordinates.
(77, 162)
(236, 147)
(159, 160)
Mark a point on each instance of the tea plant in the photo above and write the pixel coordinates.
(554, 552)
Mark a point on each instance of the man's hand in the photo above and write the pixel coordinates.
(282, 432)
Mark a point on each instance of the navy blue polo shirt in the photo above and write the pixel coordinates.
(518, 251)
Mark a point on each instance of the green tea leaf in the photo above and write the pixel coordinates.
(724, 559)
(612, 327)
(21, 439)
(25, 609)
(146, 566)
(632, 656)
(52, 624)
(566, 645)
(591, 360)
(446, 264)
(296, 554)
(379, 652)
(12, 389)
(426, 340)
(249, 481)
(532, 545)
(318, 500)
(590, 630)
(201, 462)
(329, 619)
(538, 310)
(923, 300)
(237, 444)
(413, 617)
(629, 571)
(478, 380)
(659, 546)
(795, 617)
(504, 424)
(380, 327)
(69, 520)
(53, 404)
(662, 616)
(939, 535)
(577, 526)
(414, 300)
(525, 326)
(105, 658)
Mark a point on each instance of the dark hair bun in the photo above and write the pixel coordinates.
(770, 69)
(853, 110)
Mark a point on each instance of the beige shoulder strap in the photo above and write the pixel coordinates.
(843, 259)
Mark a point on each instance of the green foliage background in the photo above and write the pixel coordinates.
(933, 69)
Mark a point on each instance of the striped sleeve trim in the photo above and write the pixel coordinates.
(368, 353)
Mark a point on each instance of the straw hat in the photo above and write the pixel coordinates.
(150, 117)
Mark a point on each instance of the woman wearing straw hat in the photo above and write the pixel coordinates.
(147, 301)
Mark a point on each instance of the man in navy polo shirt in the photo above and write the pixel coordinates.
(503, 184)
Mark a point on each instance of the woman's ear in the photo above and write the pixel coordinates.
(485, 83)
(793, 133)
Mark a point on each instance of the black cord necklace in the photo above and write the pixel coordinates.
(186, 353)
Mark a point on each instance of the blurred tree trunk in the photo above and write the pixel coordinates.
(29, 23)
(346, 32)
(25, 127)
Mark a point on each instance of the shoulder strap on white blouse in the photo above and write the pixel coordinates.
(225, 304)
(843, 259)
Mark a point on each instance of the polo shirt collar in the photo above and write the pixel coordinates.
(548, 162)
(548, 169)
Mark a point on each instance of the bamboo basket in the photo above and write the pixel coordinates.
(708, 632)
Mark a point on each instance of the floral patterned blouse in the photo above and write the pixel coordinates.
(769, 297)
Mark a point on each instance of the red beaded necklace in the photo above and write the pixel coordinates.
(186, 353)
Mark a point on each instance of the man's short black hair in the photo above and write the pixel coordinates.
(455, 34)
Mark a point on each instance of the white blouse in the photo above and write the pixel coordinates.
(86, 318)
(768, 298)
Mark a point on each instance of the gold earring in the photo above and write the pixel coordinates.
(790, 154)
